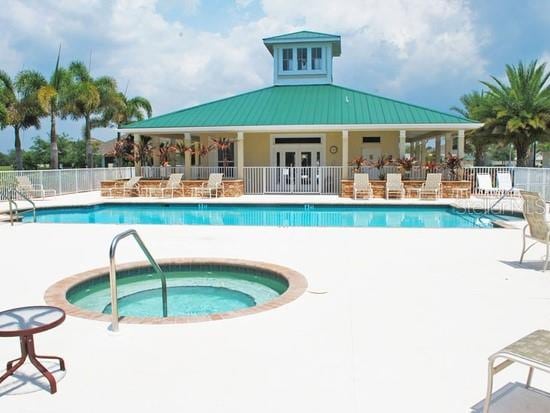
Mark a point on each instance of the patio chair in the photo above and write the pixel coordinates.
(504, 183)
(394, 185)
(534, 211)
(213, 186)
(361, 185)
(532, 351)
(432, 186)
(126, 187)
(25, 186)
(485, 185)
(173, 184)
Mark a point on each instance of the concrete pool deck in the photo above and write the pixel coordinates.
(405, 322)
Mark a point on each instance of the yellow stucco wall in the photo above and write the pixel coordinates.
(256, 149)
(389, 143)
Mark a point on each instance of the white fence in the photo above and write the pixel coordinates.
(64, 181)
(197, 172)
(264, 180)
(160, 172)
(292, 180)
(202, 172)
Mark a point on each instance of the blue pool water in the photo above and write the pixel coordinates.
(193, 290)
(270, 215)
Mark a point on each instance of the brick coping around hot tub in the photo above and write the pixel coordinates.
(56, 295)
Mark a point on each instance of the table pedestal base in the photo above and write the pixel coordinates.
(27, 350)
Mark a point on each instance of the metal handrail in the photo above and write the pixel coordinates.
(502, 197)
(11, 203)
(112, 275)
(30, 201)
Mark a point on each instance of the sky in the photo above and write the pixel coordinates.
(178, 53)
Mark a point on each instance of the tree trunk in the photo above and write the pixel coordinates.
(88, 139)
(522, 154)
(479, 155)
(18, 153)
(54, 152)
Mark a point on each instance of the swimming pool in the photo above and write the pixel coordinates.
(402, 216)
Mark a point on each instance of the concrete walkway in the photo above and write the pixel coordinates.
(406, 322)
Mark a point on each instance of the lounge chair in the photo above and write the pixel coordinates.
(532, 351)
(172, 185)
(504, 183)
(25, 186)
(485, 185)
(394, 185)
(432, 186)
(534, 211)
(126, 187)
(361, 185)
(213, 186)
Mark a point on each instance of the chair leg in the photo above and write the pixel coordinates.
(522, 250)
(546, 259)
(529, 377)
(487, 402)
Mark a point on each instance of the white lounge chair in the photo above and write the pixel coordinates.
(394, 186)
(126, 187)
(504, 183)
(213, 186)
(361, 185)
(534, 211)
(25, 186)
(485, 185)
(173, 185)
(532, 351)
(432, 186)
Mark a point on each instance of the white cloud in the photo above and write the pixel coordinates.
(394, 42)
(243, 3)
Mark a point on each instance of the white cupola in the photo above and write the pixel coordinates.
(303, 58)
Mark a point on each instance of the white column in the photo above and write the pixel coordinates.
(187, 156)
(437, 149)
(448, 143)
(345, 149)
(240, 155)
(460, 144)
(418, 151)
(402, 142)
(137, 162)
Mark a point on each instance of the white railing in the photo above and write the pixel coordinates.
(64, 181)
(203, 172)
(292, 180)
(160, 172)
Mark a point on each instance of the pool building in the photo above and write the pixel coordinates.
(303, 119)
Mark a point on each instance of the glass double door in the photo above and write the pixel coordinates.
(296, 170)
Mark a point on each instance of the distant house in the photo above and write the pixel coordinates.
(304, 119)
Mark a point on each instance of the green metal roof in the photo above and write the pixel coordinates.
(300, 105)
(305, 36)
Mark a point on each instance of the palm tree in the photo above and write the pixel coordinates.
(477, 106)
(124, 111)
(19, 105)
(521, 107)
(51, 98)
(88, 98)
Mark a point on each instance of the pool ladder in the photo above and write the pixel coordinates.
(13, 205)
(112, 275)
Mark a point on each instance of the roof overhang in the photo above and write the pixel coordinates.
(449, 127)
(334, 40)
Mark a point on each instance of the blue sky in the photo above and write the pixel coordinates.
(179, 53)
